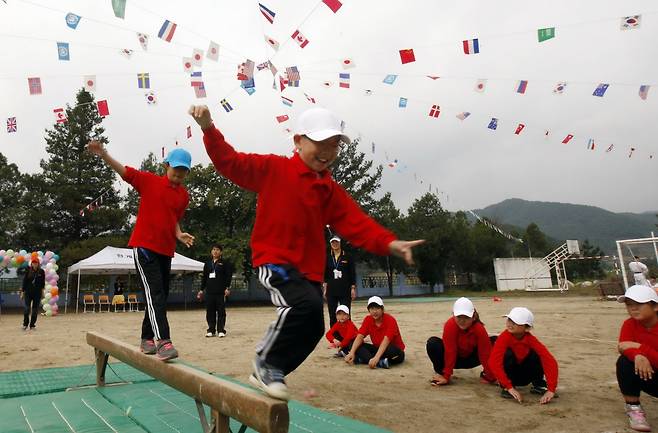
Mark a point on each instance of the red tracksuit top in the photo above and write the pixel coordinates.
(521, 348)
(161, 206)
(632, 330)
(458, 343)
(347, 330)
(388, 328)
(294, 206)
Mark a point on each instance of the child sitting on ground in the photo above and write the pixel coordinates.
(343, 333)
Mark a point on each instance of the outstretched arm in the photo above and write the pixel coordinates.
(96, 147)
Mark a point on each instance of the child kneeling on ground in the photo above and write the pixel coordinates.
(343, 333)
(638, 346)
(518, 358)
(387, 347)
(465, 344)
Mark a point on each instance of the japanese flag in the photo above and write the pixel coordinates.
(188, 63)
(143, 40)
(90, 83)
(300, 39)
(347, 63)
(197, 57)
(213, 51)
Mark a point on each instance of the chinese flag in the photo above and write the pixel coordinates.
(407, 56)
(334, 5)
(103, 109)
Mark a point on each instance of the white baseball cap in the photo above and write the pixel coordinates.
(521, 316)
(335, 238)
(640, 293)
(343, 308)
(463, 307)
(375, 300)
(319, 124)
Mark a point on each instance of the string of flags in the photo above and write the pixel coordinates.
(95, 203)
(495, 228)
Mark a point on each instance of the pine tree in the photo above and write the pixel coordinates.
(352, 171)
(11, 192)
(72, 178)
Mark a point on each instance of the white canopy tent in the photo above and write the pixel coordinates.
(119, 261)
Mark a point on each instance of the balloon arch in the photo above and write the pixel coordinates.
(48, 262)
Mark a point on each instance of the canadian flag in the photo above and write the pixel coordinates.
(300, 39)
(60, 115)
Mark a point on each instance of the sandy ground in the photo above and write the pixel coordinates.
(580, 331)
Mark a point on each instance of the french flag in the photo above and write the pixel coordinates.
(268, 14)
(344, 80)
(167, 31)
(471, 46)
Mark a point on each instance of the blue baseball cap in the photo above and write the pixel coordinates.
(179, 158)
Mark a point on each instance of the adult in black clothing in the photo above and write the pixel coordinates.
(118, 287)
(31, 292)
(339, 287)
(216, 283)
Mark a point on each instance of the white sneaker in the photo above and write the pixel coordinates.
(637, 418)
(210, 334)
(221, 335)
(270, 380)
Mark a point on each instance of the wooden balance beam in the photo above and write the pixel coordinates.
(226, 399)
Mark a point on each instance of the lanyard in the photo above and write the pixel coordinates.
(333, 259)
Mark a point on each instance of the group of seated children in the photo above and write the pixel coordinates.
(515, 357)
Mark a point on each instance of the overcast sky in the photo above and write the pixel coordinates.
(471, 165)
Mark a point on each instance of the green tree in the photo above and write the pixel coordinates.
(534, 240)
(72, 177)
(583, 269)
(354, 172)
(488, 245)
(11, 193)
(426, 219)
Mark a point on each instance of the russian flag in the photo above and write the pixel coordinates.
(167, 31)
(344, 80)
(523, 85)
(268, 14)
(471, 46)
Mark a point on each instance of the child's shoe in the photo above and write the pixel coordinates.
(166, 350)
(269, 379)
(383, 363)
(539, 387)
(148, 347)
(637, 418)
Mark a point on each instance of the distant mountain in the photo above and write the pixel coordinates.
(574, 221)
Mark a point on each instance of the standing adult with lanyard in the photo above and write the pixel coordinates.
(339, 287)
(216, 283)
(31, 292)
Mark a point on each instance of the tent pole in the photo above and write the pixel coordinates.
(66, 305)
(77, 299)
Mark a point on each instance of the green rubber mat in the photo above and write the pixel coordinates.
(84, 410)
(33, 401)
(46, 380)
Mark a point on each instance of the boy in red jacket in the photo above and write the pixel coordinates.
(343, 333)
(297, 198)
(162, 204)
(638, 346)
(465, 344)
(519, 359)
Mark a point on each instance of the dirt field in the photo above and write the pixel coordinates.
(580, 331)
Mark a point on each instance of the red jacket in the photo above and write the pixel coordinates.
(458, 343)
(521, 348)
(388, 328)
(162, 205)
(294, 206)
(632, 330)
(347, 331)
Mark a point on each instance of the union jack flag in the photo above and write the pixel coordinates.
(11, 124)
